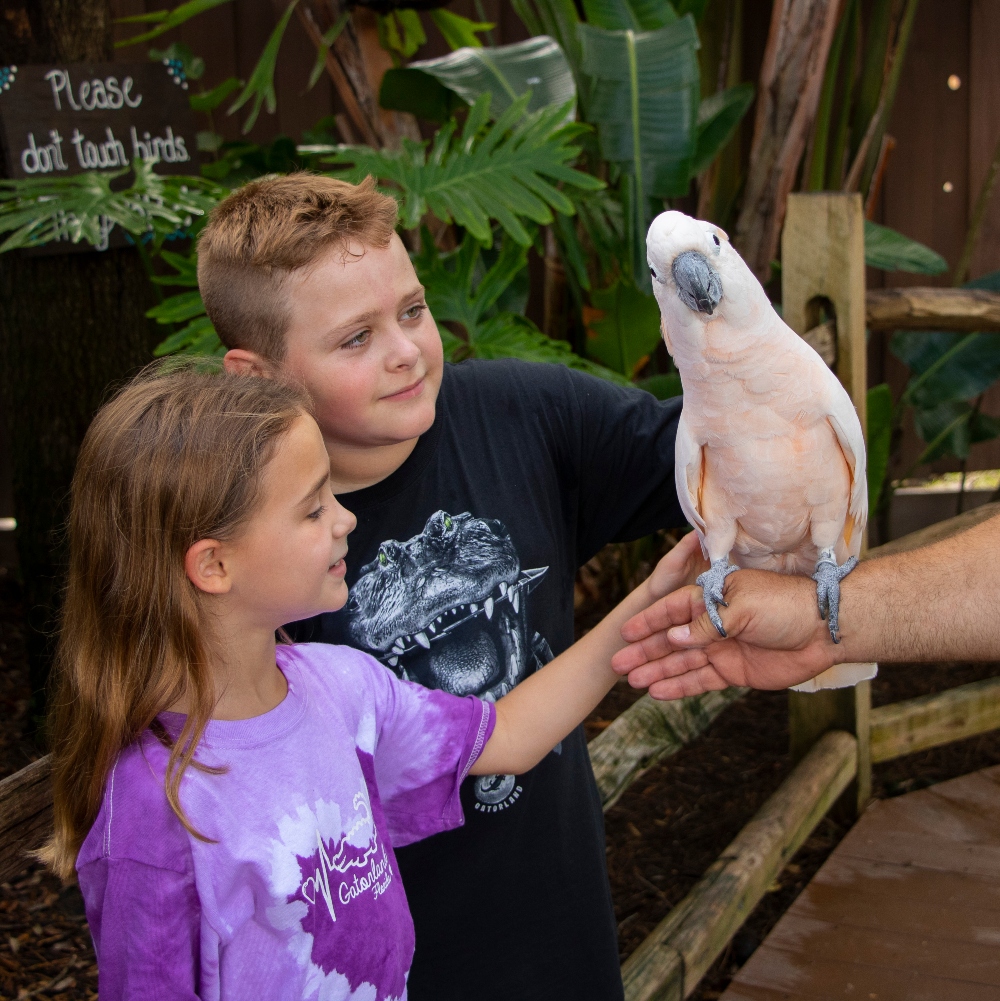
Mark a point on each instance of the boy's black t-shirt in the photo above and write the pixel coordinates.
(461, 573)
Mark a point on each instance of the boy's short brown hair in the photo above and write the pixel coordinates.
(270, 228)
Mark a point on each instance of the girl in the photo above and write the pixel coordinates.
(230, 805)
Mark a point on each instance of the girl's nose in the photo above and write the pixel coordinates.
(344, 521)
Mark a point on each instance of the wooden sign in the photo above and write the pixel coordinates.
(95, 116)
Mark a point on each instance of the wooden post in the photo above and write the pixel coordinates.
(823, 258)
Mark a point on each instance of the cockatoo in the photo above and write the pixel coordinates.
(770, 458)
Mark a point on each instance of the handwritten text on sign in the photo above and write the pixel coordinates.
(94, 116)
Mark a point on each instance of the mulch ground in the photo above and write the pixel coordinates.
(661, 836)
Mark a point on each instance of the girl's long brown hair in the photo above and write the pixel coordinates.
(172, 459)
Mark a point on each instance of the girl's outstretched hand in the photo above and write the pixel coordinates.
(776, 638)
(679, 567)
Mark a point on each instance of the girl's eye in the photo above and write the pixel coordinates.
(317, 514)
(414, 312)
(359, 340)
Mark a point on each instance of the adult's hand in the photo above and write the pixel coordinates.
(776, 639)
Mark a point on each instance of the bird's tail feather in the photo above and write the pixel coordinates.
(838, 676)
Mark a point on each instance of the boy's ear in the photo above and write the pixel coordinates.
(239, 361)
(206, 569)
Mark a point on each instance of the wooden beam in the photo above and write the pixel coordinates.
(937, 532)
(823, 247)
(647, 732)
(668, 965)
(25, 814)
(932, 309)
(931, 720)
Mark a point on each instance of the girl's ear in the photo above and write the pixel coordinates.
(206, 569)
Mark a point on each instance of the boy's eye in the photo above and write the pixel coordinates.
(317, 514)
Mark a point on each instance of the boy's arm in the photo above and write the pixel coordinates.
(550, 704)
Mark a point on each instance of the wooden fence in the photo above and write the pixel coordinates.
(836, 735)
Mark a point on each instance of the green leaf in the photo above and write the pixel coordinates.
(644, 98)
(506, 72)
(508, 335)
(879, 440)
(718, 118)
(400, 32)
(947, 366)
(663, 387)
(629, 15)
(198, 337)
(166, 20)
(952, 428)
(177, 308)
(39, 210)
(211, 99)
(459, 31)
(260, 86)
(990, 282)
(696, 8)
(891, 251)
(629, 330)
(185, 270)
(559, 20)
(323, 49)
(419, 93)
(507, 172)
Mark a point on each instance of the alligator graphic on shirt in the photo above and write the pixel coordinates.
(447, 608)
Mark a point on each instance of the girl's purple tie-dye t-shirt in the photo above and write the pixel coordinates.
(298, 894)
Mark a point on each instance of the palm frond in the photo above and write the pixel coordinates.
(507, 172)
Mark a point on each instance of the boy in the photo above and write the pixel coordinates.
(479, 490)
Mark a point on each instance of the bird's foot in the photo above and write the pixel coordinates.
(712, 582)
(828, 577)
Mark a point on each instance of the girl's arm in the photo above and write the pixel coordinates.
(552, 702)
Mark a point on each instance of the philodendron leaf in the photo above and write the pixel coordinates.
(507, 172)
(419, 93)
(951, 428)
(506, 72)
(624, 327)
(888, 250)
(718, 118)
(879, 439)
(663, 387)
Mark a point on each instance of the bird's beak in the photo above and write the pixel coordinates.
(698, 283)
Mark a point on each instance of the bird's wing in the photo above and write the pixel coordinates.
(689, 470)
(846, 426)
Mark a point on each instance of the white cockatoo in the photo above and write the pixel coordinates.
(770, 458)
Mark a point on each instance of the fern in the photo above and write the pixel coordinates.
(39, 210)
(507, 172)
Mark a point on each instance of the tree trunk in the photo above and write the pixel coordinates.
(71, 326)
(790, 79)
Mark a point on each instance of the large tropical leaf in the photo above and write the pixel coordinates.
(83, 206)
(947, 366)
(624, 327)
(559, 20)
(643, 96)
(463, 290)
(879, 440)
(952, 428)
(506, 72)
(891, 251)
(626, 15)
(718, 118)
(506, 172)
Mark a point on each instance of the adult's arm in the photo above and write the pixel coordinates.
(941, 602)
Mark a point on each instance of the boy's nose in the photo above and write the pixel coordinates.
(404, 352)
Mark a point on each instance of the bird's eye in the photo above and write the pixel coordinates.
(653, 273)
(716, 239)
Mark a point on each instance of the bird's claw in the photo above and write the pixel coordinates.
(828, 577)
(711, 583)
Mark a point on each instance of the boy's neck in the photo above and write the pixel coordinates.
(356, 467)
